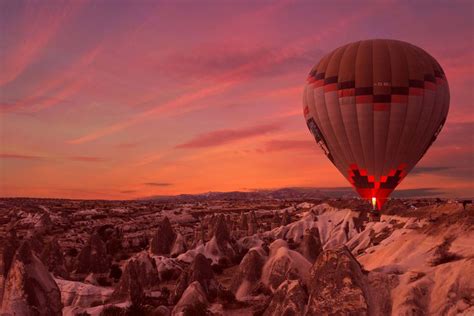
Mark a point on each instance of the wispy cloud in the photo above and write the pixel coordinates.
(127, 145)
(225, 136)
(163, 108)
(20, 156)
(225, 81)
(50, 158)
(281, 145)
(43, 24)
(158, 184)
(86, 159)
(57, 88)
(420, 170)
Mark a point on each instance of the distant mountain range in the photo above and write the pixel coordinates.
(290, 193)
(265, 194)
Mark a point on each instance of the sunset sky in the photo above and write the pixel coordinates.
(127, 99)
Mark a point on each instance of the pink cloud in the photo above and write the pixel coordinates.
(86, 159)
(20, 156)
(128, 145)
(228, 79)
(42, 23)
(61, 87)
(225, 136)
(281, 145)
(164, 108)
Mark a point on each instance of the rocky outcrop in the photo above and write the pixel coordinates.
(200, 271)
(310, 246)
(53, 259)
(163, 240)
(289, 299)
(221, 232)
(79, 294)
(7, 253)
(284, 264)
(44, 224)
(223, 240)
(276, 221)
(243, 222)
(192, 302)
(179, 246)
(93, 257)
(130, 286)
(139, 273)
(29, 287)
(199, 235)
(337, 286)
(248, 275)
(221, 248)
(252, 224)
(286, 218)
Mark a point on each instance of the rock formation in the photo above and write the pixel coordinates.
(337, 286)
(136, 275)
(162, 241)
(289, 299)
(43, 224)
(200, 271)
(248, 275)
(285, 219)
(93, 257)
(7, 253)
(139, 273)
(284, 264)
(243, 223)
(29, 287)
(179, 246)
(252, 224)
(311, 246)
(53, 259)
(276, 221)
(192, 302)
(221, 233)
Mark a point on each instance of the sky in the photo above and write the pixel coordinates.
(128, 99)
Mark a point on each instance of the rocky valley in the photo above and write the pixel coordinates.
(234, 256)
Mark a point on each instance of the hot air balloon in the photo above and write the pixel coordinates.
(375, 107)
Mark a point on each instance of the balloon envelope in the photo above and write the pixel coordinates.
(375, 107)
